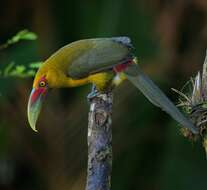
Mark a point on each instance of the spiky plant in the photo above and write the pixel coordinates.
(194, 104)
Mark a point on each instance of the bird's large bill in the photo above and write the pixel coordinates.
(156, 96)
(34, 107)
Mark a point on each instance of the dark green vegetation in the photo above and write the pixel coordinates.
(149, 152)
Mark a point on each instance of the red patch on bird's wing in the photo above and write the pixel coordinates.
(121, 67)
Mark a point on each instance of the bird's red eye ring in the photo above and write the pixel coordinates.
(42, 84)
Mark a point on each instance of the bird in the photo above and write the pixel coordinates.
(103, 62)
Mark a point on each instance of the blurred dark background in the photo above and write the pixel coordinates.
(170, 37)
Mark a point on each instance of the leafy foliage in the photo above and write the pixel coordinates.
(21, 71)
(13, 70)
(21, 35)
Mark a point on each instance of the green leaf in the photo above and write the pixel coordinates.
(22, 35)
(8, 68)
(26, 35)
(31, 73)
(35, 65)
(20, 69)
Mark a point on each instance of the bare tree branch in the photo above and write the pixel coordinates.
(100, 142)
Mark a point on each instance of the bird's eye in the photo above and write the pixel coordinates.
(42, 84)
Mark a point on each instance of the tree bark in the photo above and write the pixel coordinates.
(100, 142)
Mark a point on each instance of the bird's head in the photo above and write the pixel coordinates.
(38, 93)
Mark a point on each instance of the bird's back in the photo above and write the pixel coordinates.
(84, 57)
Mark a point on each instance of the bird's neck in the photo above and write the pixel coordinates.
(58, 79)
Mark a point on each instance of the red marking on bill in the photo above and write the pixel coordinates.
(36, 93)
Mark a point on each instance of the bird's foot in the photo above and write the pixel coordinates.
(94, 93)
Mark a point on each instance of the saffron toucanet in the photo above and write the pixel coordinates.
(104, 62)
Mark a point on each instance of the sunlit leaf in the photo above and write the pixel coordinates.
(8, 69)
(27, 35)
(35, 65)
(31, 73)
(20, 69)
(22, 35)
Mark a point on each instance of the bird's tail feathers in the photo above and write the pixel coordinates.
(155, 95)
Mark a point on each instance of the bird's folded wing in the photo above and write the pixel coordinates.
(156, 96)
(101, 54)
